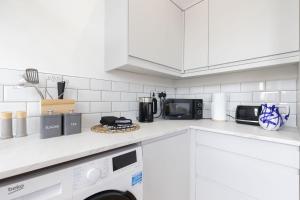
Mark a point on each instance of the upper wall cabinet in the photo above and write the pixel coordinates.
(208, 37)
(196, 37)
(144, 36)
(248, 29)
(156, 32)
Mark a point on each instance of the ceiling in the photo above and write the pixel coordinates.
(184, 4)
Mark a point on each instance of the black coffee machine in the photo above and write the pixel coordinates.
(147, 109)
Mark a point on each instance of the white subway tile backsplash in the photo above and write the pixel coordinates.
(186, 96)
(111, 96)
(97, 84)
(196, 90)
(236, 87)
(130, 115)
(288, 96)
(89, 120)
(98, 107)
(253, 86)
(206, 114)
(89, 95)
(149, 89)
(33, 109)
(120, 86)
(33, 125)
(98, 98)
(126, 96)
(292, 121)
(293, 108)
(120, 106)
(281, 85)
(269, 97)
(77, 83)
(182, 91)
(13, 93)
(241, 97)
(207, 105)
(138, 95)
(205, 97)
(12, 106)
(70, 94)
(1, 93)
(10, 77)
(212, 89)
(115, 114)
(170, 91)
(160, 89)
(49, 80)
(133, 106)
(135, 87)
(82, 107)
(232, 106)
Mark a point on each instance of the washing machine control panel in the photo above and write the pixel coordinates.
(90, 173)
(95, 170)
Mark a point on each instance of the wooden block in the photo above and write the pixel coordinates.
(57, 106)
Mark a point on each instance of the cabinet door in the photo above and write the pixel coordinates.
(233, 168)
(241, 30)
(196, 36)
(156, 32)
(167, 168)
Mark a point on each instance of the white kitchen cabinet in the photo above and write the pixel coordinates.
(167, 168)
(234, 168)
(144, 36)
(250, 29)
(196, 37)
(156, 32)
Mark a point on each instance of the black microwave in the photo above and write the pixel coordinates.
(183, 109)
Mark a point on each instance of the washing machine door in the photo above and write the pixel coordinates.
(112, 195)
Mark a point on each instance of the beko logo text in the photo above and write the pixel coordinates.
(16, 188)
(52, 127)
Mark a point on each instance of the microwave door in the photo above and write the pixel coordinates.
(180, 110)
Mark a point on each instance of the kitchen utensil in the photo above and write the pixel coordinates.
(21, 124)
(61, 89)
(274, 116)
(147, 109)
(6, 125)
(218, 107)
(32, 77)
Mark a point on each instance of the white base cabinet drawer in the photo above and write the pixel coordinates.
(210, 190)
(255, 178)
(282, 154)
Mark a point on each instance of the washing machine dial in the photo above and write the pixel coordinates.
(93, 175)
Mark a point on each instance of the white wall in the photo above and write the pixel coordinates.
(57, 36)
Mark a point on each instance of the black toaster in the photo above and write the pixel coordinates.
(248, 114)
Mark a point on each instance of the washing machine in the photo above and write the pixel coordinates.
(115, 175)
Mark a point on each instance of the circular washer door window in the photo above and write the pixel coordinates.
(112, 195)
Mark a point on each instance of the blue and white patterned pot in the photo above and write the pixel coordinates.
(273, 116)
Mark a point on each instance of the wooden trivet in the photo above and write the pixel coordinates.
(104, 129)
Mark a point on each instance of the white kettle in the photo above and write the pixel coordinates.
(218, 107)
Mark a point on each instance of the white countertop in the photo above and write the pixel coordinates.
(22, 155)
